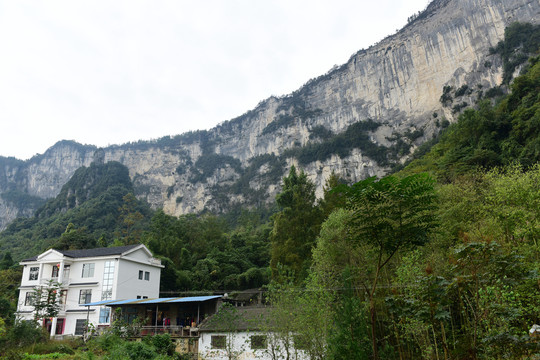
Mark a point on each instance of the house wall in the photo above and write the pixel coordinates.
(241, 347)
(139, 255)
(128, 285)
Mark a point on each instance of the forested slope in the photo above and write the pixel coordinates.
(439, 260)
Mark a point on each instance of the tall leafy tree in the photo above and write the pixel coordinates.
(296, 226)
(391, 214)
(130, 220)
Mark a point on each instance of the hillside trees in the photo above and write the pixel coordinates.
(491, 135)
(91, 201)
(390, 215)
(296, 226)
(202, 252)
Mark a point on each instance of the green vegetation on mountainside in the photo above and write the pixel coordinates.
(491, 135)
(95, 201)
(405, 267)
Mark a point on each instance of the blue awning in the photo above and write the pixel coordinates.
(102, 302)
(154, 301)
(194, 299)
(110, 302)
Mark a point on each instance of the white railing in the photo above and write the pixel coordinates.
(174, 330)
(53, 281)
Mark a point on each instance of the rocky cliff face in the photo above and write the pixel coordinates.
(356, 120)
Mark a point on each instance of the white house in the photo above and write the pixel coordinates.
(246, 333)
(85, 276)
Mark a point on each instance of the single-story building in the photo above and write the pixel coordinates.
(246, 333)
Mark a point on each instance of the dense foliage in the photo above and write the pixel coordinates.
(521, 40)
(469, 287)
(491, 135)
(356, 136)
(94, 208)
(202, 253)
(410, 266)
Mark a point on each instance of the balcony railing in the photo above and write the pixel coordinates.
(173, 330)
(48, 281)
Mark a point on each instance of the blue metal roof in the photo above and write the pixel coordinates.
(158, 300)
(154, 301)
(195, 299)
(102, 302)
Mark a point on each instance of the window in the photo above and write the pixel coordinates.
(29, 300)
(140, 274)
(138, 296)
(258, 342)
(34, 273)
(79, 326)
(59, 326)
(108, 278)
(147, 276)
(88, 270)
(104, 315)
(63, 297)
(300, 342)
(66, 272)
(145, 297)
(85, 296)
(218, 342)
(55, 269)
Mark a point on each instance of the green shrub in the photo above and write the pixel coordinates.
(25, 333)
(105, 342)
(50, 347)
(133, 351)
(54, 355)
(162, 343)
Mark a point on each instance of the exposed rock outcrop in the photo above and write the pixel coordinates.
(396, 83)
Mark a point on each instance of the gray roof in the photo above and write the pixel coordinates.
(246, 318)
(104, 251)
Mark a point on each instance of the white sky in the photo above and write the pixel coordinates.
(108, 72)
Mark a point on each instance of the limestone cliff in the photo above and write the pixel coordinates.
(356, 120)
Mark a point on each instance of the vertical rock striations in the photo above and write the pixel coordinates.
(356, 120)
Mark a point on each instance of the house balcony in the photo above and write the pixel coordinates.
(173, 330)
(53, 280)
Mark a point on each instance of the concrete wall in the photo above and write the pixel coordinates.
(241, 347)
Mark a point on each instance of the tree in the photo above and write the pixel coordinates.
(45, 300)
(131, 218)
(227, 320)
(296, 226)
(7, 261)
(282, 324)
(337, 274)
(332, 199)
(390, 215)
(74, 238)
(349, 340)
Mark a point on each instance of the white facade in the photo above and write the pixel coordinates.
(242, 345)
(86, 276)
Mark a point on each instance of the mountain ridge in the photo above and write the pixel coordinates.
(396, 83)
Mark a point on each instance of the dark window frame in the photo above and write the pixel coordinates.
(258, 342)
(85, 296)
(80, 325)
(218, 341)
(34, 273)
(88, 270)
(29, 299)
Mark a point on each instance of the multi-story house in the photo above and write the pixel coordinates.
(85, 276)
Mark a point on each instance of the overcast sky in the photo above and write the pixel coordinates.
(110, 72)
